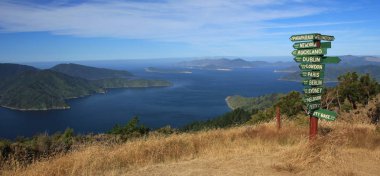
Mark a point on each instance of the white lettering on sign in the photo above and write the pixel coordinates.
(312, 66)
(302, 37)
(310, 52)
(308, 45)
(313, 90)
(312, 99)
(315, 82)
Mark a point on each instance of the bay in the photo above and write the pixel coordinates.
(197, 96)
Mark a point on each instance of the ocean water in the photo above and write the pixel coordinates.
(197, 96)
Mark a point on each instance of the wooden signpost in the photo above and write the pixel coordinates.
(310, 53)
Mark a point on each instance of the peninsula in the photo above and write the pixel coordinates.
(27, 88)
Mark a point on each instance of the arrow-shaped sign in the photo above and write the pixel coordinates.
(308, 59)
(310, 52)
(312, 82)
(325, 37)
(310, 99)
(306, 45)
(312, 66)
(331, 60)
(325, 114)
(303, 37)
(313, 90)
(313, 36)
(313, 106)
(312, 74)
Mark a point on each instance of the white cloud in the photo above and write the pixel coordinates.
(189, 21)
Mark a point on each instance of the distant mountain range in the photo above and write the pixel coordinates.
(224, 63)
(24, 87)
(349, 63)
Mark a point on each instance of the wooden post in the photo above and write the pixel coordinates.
(278, 118)
(313, 128)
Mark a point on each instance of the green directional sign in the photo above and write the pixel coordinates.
(312, 82)
(308, 59)
(325, 37)
(325, 114)
(313, 106)
(304, 37)
(312, 66)
(313, 90)
(310, 99)
(331, 60)
(312, 74)
(310, 52)
(313, 36)
(306, 45)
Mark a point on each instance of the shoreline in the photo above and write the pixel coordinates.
(71, 98)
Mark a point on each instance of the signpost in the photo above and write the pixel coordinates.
(325, 114)
(312, 74)
(306, 45)
(310, 53)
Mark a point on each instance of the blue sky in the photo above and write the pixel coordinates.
(45, 30)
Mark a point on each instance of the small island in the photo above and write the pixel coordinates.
(26, 88)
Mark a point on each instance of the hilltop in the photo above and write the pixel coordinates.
(27, 88)
(42, 90)
(90, 73)
(342, 149)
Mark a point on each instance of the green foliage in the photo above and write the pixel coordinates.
(167, 130)
(357, 88)
(249, 104)
(264, 115)
(131, 129)
(233, 118)
(42, 90)
(47, 89)
(291, 104)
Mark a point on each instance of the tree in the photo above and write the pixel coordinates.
(356, 89)
(291, 104)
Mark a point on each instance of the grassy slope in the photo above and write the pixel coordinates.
(348, 149)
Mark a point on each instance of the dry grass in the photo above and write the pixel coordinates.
(343, 149)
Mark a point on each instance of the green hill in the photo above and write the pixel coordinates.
(251, 103)
(42, 90)
(8, 69)
(27, 88)
(90, 73)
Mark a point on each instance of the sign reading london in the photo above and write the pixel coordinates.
(309, 52)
